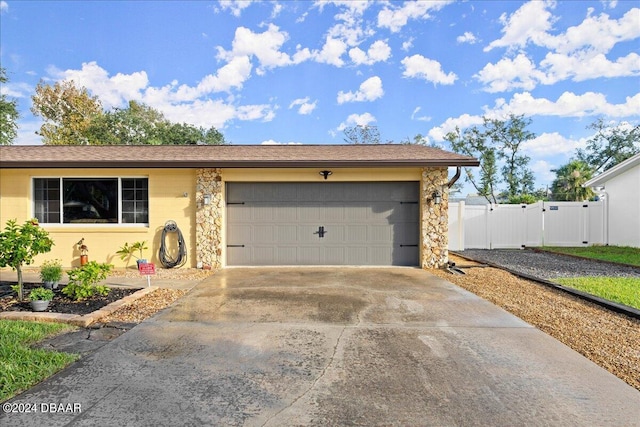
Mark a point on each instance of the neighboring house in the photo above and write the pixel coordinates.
(237, 204)
(620, 187)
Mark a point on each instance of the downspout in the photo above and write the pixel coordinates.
(455, 177)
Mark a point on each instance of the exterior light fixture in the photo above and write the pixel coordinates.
(325, 174)
(436, 197)
(206, 199)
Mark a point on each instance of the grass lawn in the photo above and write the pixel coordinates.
(624, 290)
(621, 254)
(21, 367)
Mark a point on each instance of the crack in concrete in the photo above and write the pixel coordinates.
(312, 386)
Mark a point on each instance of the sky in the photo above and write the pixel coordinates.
(300, 72)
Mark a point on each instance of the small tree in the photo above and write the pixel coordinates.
(20, 244)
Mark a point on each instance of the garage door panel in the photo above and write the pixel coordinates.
(365, 223)
(309, 255)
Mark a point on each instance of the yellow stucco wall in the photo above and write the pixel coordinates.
(167, 188)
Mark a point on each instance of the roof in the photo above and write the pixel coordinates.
(618, 169)
(240, 156)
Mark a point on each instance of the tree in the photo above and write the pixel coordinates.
(472, 142)
(610, 145)
(499, 140)
(67, 111)
(135, 125)
(186, 134)
(568, 185)
(508, 135)
(20, 244)
(72, 116)
(8, 114)
(362, 134)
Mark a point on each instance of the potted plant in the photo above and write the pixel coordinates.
(129, 250)
(40, 298)
(51, 273)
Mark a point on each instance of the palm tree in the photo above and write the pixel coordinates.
(569, 180)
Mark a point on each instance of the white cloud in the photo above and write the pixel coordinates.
(509, 74)
(414, 116)
(467, 37)
(263, 46)
(350, 28)
(580, 67)
(597, 34)
(462, 122)
(542, 171)
(331, 52)
(277, 8)
(530, 23)
(4, 6)
(406, 45)
(357, 120)
(230, 76)
(370, 90)
(112, 91)
(552, 144)
(379, 51)
(235, 6)
(395, 18)
(305, 107)
(567, 105)
(577, 54)
(178, 103)
(16, 90)
(417, 66)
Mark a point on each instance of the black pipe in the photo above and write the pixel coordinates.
(455, 177)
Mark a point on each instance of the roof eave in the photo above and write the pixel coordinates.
(55, 164)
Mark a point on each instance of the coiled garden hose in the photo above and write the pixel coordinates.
(167, 260)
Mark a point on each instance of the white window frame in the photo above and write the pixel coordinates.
(118, 178)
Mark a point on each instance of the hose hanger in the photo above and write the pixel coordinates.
(166, 259)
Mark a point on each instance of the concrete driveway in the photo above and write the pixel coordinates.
(325, 346)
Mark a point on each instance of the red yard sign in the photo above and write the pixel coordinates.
(147, 269)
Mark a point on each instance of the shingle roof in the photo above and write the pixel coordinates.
(249, 156)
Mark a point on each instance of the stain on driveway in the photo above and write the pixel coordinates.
(324, 346)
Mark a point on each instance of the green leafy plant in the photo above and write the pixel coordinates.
(51, 271)
(19, 244)
(127, 250)
(41, 294)
(83, 281)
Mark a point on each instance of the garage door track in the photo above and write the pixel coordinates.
(326, 346)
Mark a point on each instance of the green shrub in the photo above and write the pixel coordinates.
(81, 292)
(83, 281)
(51, 271)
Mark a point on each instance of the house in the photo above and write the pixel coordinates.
(620, 187)
(237, 204)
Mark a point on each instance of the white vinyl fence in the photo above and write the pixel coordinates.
(517, 226)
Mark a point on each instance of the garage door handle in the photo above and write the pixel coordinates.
(320, 232)
(235, 246)
(408, 246)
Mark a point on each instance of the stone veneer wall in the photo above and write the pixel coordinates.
(209, 219)
(434, 218)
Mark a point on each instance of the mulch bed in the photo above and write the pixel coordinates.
(61, 303)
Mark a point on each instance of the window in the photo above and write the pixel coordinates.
(91, 200)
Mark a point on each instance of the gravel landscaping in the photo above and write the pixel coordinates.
(549, 266)
(609, 339)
